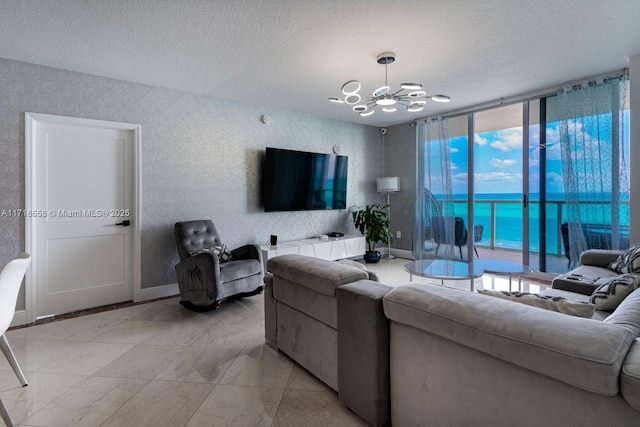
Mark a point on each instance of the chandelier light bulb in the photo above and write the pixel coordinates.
(381, 91)
(415, 108)
(367, 113)
(411, 86)
(440, 98)
(389, 109)
(351, 87)
(386, 100)
(417, 94)
(359, 108)
(353, 98)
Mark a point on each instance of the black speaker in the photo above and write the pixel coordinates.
(274, 240)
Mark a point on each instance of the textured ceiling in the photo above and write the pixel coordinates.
(295, 54)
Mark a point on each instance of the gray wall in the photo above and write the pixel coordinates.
(201, 158)
(400, 161)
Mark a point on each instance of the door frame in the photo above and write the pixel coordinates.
(28, 315)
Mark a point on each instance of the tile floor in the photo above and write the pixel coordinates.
(158, 364)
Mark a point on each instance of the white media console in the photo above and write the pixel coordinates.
(330, 249)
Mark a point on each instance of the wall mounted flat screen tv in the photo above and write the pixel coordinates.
(300, 181)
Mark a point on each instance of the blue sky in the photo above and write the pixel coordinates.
(498, 161)
(498, 157)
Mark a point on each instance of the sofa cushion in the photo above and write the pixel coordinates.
(316, 274)
(548, 302)
(609, 295)
(572, 296)
(234, 270)
(627, 315)
(628, 261)
(319, 306)
(630, 376)
(599, 257)
(542, 341)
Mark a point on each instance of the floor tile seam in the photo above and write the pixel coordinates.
(263, 388)
(80, 383)
(184, 347)
(217, 346)
(252, 386)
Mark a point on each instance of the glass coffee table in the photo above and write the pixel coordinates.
(444, 269)
(496, 267)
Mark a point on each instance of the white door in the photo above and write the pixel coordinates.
(82, 193)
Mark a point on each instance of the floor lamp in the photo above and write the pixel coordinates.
(388, 185)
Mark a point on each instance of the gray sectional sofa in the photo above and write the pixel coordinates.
(328, 317)
(421, 354)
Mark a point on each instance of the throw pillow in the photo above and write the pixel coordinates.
(559, 304)
(628, 261)
(220, 250)
(610, 294)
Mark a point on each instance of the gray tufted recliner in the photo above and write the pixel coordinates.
(203, 279)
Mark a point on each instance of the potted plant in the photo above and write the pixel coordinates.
(373, 223)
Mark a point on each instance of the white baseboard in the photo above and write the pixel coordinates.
(22, 317)
(155, 292)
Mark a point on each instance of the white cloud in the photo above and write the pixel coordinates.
(480, 140)
(508, 139)
(498, 177)
(454, 150)
(453, 166)
(501, 164)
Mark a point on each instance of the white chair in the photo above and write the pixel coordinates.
(10, 281)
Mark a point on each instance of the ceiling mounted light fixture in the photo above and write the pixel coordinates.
(414, 101)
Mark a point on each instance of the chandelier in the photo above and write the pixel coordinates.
(410, 95)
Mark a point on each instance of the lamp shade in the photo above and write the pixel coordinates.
(388, 184)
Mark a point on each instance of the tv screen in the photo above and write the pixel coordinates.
(300, 181)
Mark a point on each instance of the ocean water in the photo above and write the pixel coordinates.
(508, 219)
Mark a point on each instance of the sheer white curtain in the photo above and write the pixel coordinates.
(592, 131)
(434, 192)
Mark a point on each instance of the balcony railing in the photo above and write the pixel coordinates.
(502, 222)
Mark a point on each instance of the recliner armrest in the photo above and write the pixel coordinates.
(250, 251)
(599, 257)
(199, 277)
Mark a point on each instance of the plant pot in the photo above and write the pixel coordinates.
(371, 257)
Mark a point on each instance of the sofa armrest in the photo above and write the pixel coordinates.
(576, 286)
(630, 378)
(546, 342)
(363, 350)
(317, 274)
(599, 257)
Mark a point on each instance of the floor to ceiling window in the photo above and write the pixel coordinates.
(550, 179)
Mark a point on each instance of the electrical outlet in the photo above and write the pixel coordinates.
(399, 234)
